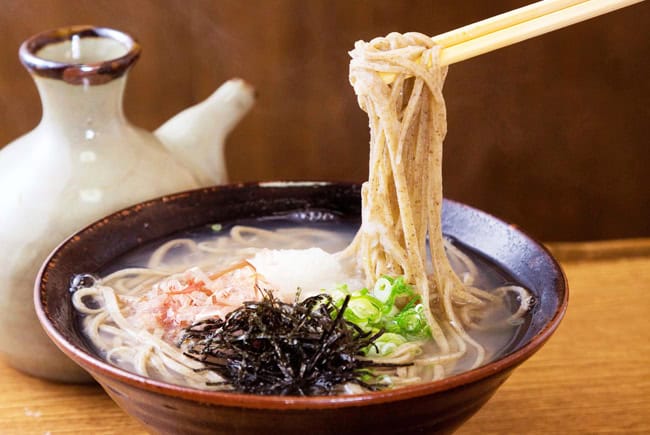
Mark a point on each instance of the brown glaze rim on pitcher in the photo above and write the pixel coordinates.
(95, 73)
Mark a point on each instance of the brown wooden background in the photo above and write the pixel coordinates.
(551, 134)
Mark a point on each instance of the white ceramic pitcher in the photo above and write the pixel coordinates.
(83, 161)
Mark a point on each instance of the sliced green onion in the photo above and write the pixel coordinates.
(392, 306)
(386, 344)
(364, 310)
(412, 321)
(339, 293)
(383, 289)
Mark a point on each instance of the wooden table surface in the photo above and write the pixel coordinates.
(593, 376)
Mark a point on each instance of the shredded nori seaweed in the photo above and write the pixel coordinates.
(269, 347)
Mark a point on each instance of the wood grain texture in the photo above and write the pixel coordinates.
(592, 376)
(551, 133)
(32, 406)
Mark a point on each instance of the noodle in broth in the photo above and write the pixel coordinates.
(123, 340)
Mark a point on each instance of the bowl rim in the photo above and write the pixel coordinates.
(99, 368)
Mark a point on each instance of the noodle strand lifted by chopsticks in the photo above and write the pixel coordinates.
(402, 199)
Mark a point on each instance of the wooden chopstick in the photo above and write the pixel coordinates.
(502, 21)
(507, 29)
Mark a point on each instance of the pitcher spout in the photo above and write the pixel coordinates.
(196, 135)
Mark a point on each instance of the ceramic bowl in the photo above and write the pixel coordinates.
(427, 408)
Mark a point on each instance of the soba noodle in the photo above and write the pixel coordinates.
(402, 199)
(399, 84)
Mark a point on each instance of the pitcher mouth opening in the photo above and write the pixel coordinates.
(80, 55)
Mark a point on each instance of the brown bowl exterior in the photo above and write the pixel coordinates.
(435, 407)
(431, 413)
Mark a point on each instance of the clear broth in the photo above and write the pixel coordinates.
(340, 231)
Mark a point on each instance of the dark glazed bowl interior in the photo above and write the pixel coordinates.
(430, 407)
